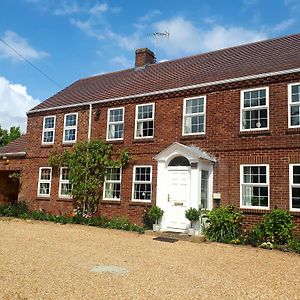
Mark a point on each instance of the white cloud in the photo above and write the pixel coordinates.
(122, 61)
(21, 45)
(88, 28)
(150, 15)
(284, 25)
(14, 96)
(98, 9)
(68, 8)
(72, 7)
(186, 38)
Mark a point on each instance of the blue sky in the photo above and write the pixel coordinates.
(72, 39)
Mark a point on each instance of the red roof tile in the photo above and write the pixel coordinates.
(245, 60)
(15, 147)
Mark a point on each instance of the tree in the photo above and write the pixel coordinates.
(9, 136)
(88, 164)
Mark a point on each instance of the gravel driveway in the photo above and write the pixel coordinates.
(40, 260)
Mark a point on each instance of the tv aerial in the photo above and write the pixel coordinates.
(156, 36)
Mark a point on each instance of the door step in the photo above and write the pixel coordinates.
(178, 236)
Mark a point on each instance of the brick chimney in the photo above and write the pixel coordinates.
(143, 57)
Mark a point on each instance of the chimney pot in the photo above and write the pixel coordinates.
(143, 57)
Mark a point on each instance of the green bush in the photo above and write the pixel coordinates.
(20, 210)
(192, 214)
(15, 210)
(155, 213)
(224, 225)
(294, 245)
(256, 236)
(277, 226)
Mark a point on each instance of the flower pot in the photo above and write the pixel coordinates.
(191, 231)
(156, 227)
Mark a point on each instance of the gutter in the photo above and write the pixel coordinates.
(184, 88)
(13, 154)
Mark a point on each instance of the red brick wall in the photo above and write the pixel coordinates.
(277, 147)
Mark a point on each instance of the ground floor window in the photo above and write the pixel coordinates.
(142, 181)
(65, 186)
(295, 186)
(44, 185)
(254, 181)
(112, 184)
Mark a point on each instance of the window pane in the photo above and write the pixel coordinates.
(296, 93)
(45, 174)
(145, 128)
(194, 106)
(112, 190)
(115, 131)
(116, 115)
(204, 189)
(48, 137)
(295, 197)
(114, 174)
(71, 120)
(295, 115)
(65, 189)
(64, 174)
(49, 123)
(142, 191)
(70, 134)
(145, 112)
(44, 189)
(142, 174)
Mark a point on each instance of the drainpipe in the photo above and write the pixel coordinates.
(90, 123)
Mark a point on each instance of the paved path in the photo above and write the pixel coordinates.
(40, 260)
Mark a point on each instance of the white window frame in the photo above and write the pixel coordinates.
(290, 104)
(114, 123)
(242, 108)
(254, 184)
(70, 128)
(61, 181)
(112, 181)
(184, 115)
(44, 181)
(142, 182)
(48, 130)
(291, 185)
(149, 119)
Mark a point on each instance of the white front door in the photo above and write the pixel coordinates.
(178, 198)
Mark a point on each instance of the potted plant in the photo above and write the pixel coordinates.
(154, 214)
(192, 215)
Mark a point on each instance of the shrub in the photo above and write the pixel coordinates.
(224, 225)
(192, 214)
(277, 227)
(155, 213)
(15, 210)
(256, 236)
(294, 245)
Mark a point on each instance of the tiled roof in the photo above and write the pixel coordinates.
(246, 60)
(15, 148)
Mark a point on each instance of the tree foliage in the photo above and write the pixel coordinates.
(7, 136)
(88, 164)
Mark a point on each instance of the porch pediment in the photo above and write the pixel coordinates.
(192, 153)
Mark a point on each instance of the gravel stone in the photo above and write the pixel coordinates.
(41, 260)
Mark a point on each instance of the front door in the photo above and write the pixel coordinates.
(178, 197)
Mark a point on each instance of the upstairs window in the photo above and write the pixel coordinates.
(112, 184)
(142, 181)
(44, 184)
(194, 115)
(115, 123)
(254, 109)
(65, 186)
(144, 121)
(295, 187)
(294, 105)
(48, 130)
(70, 128)
(255, 186)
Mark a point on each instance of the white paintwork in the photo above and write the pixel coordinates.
(182, 184)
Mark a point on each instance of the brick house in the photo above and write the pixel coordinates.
(216, 128)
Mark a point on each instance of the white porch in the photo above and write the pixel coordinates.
(184, 180)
